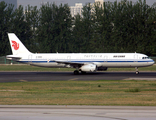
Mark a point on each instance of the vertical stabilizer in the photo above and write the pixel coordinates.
(17, 46)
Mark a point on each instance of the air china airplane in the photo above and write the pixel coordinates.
(84, 62)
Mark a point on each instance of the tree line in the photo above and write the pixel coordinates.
(109, 28)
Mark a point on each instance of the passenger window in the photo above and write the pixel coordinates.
(145, 57)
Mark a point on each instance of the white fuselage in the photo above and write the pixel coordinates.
(112, 60)
(84, 62)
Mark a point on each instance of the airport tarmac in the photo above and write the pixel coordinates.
(37, 112)
(69, 76)
(50, 112)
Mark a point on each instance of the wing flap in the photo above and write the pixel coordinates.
(69, 62)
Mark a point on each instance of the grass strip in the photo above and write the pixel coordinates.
(102, 92)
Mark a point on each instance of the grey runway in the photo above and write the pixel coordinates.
(64, 76)
(28, 112)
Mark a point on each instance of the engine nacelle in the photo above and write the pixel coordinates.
(102, 68)
(89, 68)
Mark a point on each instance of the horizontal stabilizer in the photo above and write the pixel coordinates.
(10, 57)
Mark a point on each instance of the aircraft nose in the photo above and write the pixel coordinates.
(152, 61)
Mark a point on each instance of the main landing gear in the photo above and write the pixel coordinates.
(76, 72)
(137, 72)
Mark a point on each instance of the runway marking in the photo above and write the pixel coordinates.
(12, 90)
(73, 79)
(23, 80)
(140, 79)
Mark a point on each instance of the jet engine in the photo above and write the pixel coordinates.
(88, 68)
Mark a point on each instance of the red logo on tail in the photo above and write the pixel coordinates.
(15, 45)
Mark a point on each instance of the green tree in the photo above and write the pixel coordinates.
(112, 27)
(32, 20)
(132, 29)
(6, 16)
(54, 29)
(21, 28)
(102, 28)
(83, 29)
(77, 37)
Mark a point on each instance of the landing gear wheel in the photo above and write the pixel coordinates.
(137, 72)
(83, 72)
(76, 72)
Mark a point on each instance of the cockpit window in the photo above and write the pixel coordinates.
(145, 57)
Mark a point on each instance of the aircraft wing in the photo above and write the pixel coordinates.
(69, 62)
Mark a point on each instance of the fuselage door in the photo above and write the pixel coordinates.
(105, 58)
(135, 58)
(68, 58)
(30, 58)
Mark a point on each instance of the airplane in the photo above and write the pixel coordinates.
(82, 62)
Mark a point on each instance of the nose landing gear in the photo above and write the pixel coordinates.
(137, 71)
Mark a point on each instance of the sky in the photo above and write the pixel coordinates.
(70, 2)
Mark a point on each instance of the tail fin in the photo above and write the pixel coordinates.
(17, 46)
